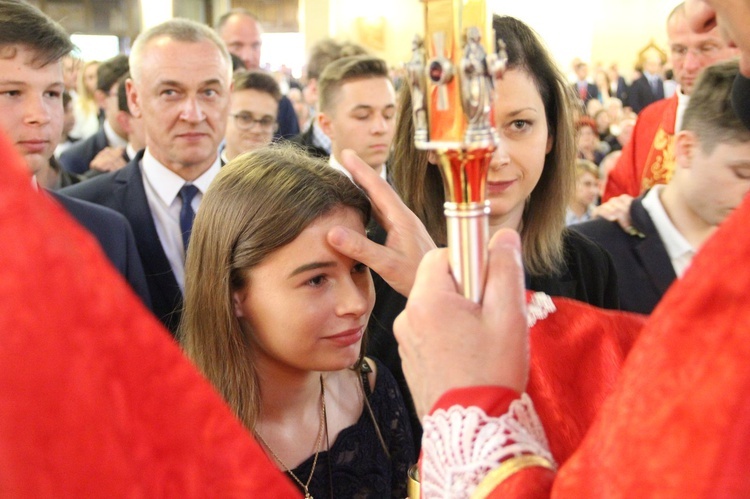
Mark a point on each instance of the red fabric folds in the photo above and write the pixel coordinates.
(96, 399)
(678, 423)
(577, 353)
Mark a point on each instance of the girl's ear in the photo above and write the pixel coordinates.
(238, 300)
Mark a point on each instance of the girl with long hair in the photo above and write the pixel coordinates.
(275, 319)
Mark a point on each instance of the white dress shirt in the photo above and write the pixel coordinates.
(162, 187)
(334, 163)
(680, 251)
(682, 104)
(130, 151)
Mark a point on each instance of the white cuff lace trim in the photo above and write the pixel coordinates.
(461, 445)
(540, 306)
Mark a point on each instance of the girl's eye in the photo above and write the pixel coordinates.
(316, 281)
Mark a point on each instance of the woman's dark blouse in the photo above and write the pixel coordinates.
(588, 276)
(356, 466)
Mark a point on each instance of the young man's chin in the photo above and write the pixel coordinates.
(36, 162)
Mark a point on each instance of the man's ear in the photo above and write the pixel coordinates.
(685, 144)
(238, 299)
(134, 99)
(324, 122)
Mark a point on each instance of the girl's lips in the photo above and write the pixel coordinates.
(348, 337)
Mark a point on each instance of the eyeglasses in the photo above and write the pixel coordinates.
(706, 51)
(246, 121)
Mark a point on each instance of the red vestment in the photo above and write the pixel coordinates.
(648, 159)
(677, 423)
(96, 398)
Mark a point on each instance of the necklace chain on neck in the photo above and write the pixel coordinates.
(318, 442)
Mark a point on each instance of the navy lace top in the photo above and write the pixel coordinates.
(356, 466)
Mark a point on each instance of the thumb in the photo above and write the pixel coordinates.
(504, 303)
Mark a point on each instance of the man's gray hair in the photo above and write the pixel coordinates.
(181, 30)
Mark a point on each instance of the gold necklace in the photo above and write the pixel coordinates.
(317, 444)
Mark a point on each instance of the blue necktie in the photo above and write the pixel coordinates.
(187, 193)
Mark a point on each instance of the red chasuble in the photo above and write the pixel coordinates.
(96, 398)
(677, 423)
(648, 159)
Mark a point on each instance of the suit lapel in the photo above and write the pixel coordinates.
(131, 195)
(650, 250)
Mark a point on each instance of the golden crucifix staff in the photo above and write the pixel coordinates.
(452, 74)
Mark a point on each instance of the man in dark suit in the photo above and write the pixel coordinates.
(649, 87)
(180, 79)
(313, 139)
(241, 32)
(78, 157)
(671, 222)
(618, 86)
(358, 110)
(584, 89)
(31, 114)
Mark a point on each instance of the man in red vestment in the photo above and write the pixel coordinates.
(678, 421)
(648, 158)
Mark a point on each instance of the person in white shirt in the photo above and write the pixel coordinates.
(671, 222)
(357, 110)
(181, 75)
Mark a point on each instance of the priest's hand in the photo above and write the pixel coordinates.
(446, 341)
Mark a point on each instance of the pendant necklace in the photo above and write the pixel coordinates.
(317, 444)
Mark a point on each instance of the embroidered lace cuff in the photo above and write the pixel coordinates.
(462, 444)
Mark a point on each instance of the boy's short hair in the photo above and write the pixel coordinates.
(24, 24)
(586, 166)
(110, 71)
(257, 80)
(347, 69)
(328, 50)
(709, 114)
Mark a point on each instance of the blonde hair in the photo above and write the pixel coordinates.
(85, 98)
(258, 203)
(586, 166)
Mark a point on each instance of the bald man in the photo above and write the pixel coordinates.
(648, 159)
(241, 32)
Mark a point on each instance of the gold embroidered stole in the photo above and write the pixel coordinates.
(660, 160)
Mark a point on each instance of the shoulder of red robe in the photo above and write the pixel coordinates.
(96, 398)
(678, 422)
